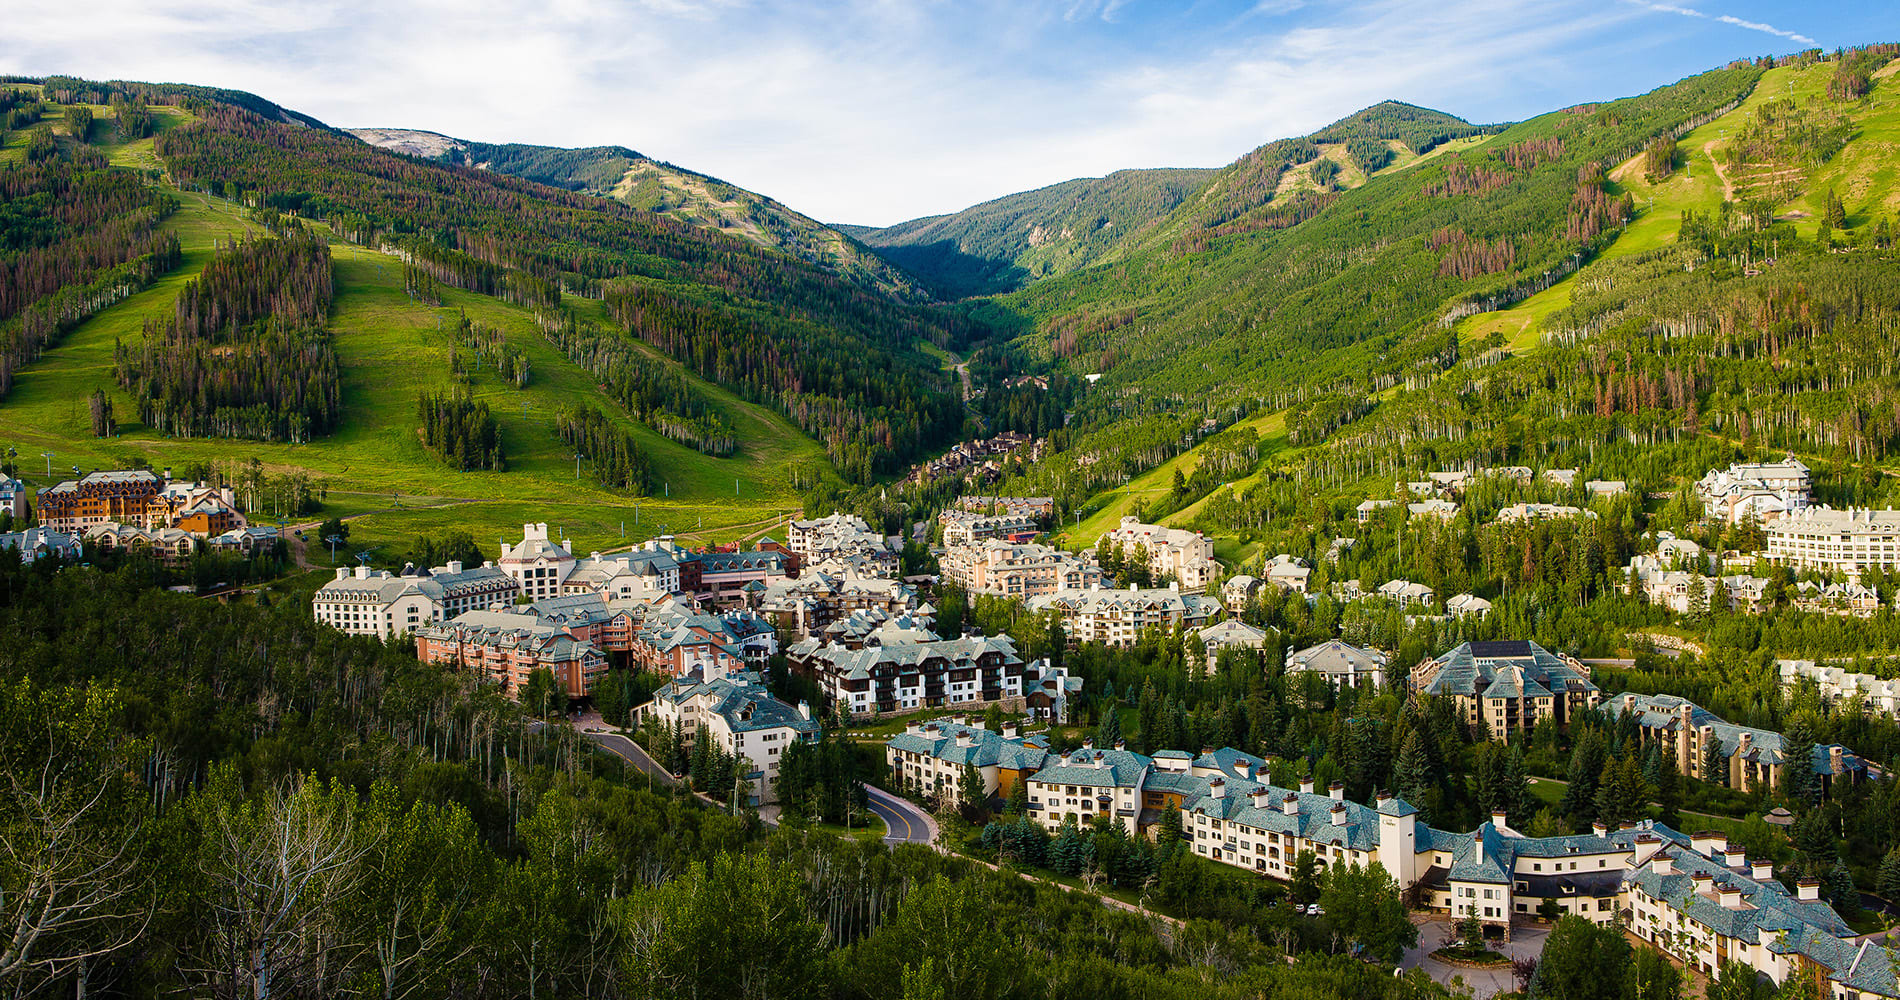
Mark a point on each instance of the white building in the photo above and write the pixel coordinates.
(740, 717)
(1407, 594)
(1289, 573)
(1467, 606)
(1526, 512)
(1827, 539)
(1230, 634)
(1764, 491)
(1343, 665)
(1841, 686)
(838, 541)
(962, 526)
(1119, 617)
(537, 563)
(1186, 557)
(362, 601)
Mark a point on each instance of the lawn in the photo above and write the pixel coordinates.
(390, 346)
(1156, 482)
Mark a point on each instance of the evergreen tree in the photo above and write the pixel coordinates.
(1714, 762)
(1838, 886)
(1669, 790)
(1411, 774)
(1887, 876)
(1798, 781)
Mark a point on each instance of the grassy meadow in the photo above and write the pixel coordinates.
(389, 347)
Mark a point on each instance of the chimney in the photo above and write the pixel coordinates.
(1498, 819)
(964, 739)
(1731, 896)
(362, 572)
(1306, 786)
(1702, 880)
(1600, 829)
(1834, 754)
(1216, 788)
(455, 566)
(804, 710)
(1381, 797)
(1260, 798)
(1121, 744)
(1290, 805)
(1096, 761)
(1808, 890)
(1663, 864)
(1088, 743)
(1339, 814)
(1337, 790)
(1747, 738)
(488, 564)
(1629, 703)
(342, 572)
(1477, 847)
(1009, 730)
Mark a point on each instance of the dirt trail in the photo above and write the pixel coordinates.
(1728, 189)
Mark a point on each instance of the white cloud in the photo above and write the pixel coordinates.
(1769, 28)
(1669, 8)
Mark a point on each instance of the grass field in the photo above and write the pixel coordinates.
(1157, 481)
(389, 347)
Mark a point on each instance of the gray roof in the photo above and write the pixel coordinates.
(1509, 668)
(1663, 713)
(741, 702)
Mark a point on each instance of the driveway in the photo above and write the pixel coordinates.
(1436, 932)
(904, 822)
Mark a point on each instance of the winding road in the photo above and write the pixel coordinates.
(904, 822)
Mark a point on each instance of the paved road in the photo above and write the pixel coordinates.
(904, 822)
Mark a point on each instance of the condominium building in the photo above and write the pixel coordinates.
(508, 647)
(1841, 686)
(1186, 557)
(14, 496)
(846, 538)
(928, 758)
(121, 496)
(1230, 634)
(1342, 664)
(945, 673)
(1508, 685)
(171, 546)
(961, 527)
(1765, 492)
(739, 716)
(1032, 506)
(1526, 512)
(1823, 538)
(1119, 617)
(362, 601)
(1407, 594)
(1754, 757)
(34, 544)
(1022, 570)
(1696, 897)
(810, 604)
(538, 563)
(1289, 573)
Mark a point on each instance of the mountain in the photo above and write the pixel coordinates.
(1013, 241)
(651, 185)
(1641, 288)
(1001, 245)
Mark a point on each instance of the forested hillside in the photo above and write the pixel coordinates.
(1002, 245)
(651, 185)
(530, 244)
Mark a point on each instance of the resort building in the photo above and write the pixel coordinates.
(928, 758)
(507, 647)
(739, 716)
(537, 563)
(1342, 664)
(1822, 538)
(1754, 757)
(1119, 617)
(73, 506)
(1013, 569)
(1764, 492)
(1508, 685)
(1177, 554)
(34, 544)
(946, 673)
(961, 527)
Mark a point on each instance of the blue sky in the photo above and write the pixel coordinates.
(875, 111)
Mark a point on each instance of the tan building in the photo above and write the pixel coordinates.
(1753, 757)
(738, 715)
(1177, 554)
(537, 563)
(119, 497)
(1119, 617)
(1509, 684)
(1022, 570)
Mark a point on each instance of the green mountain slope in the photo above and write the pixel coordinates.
(644, 183)
(1001, 245)
(389, 344)
(1007, 244)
